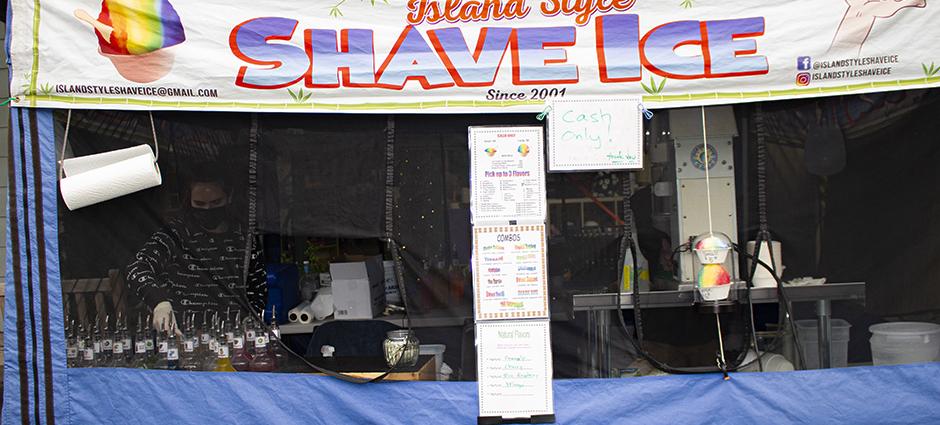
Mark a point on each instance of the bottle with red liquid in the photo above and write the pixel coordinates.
(241, 359)
(262, 360)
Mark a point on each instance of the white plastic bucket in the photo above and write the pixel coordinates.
(904, 342)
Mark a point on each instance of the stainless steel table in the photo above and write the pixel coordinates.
(432, 319)
(423, 321)
(600, 306)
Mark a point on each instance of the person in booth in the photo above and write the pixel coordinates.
(195, 262)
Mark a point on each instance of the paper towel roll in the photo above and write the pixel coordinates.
(762, 277)
(110, 181)
(82, 164)
(322, 305)
(306, 314)
(294, 314)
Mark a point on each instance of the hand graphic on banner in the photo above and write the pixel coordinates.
(859, 19)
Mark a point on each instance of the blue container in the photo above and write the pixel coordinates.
(283, 292)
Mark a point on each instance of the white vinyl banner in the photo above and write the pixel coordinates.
(461, 55)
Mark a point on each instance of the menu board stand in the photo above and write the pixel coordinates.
(534, 419)
(511, 314)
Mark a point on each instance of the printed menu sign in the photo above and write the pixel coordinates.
(507, 174)
(515, 375)
(509, 272)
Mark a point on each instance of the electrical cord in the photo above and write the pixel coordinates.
(783, 299)
(749, 283)
(763, 233)
(750, 305)
(686, 247)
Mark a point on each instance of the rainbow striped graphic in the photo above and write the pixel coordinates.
(140, 26)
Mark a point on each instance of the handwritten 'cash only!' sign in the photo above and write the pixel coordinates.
(595, 135)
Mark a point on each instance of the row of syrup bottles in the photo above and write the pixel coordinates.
(216, 345)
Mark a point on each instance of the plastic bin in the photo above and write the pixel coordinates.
(809, 342)
(904, 342)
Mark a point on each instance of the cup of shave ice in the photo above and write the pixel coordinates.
(136, 36)
(712, 248)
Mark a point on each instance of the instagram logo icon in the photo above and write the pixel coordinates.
(803, 79)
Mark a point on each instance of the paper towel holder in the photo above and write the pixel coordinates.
(89, 165)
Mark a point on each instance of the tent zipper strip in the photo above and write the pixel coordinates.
(14, 218)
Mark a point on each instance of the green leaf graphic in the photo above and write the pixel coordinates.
(336, 12)
(25, 86)
(654, 88)
(930, 71)
(300, 96)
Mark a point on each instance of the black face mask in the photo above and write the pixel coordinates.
(210, 218)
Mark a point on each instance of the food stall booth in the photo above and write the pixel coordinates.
(542, 211)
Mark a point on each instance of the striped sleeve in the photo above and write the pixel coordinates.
(145, 272)
(257, 289)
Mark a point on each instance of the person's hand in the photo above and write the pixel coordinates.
(163, 317)
(881, 8)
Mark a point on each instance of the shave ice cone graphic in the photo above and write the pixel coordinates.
(137, 36)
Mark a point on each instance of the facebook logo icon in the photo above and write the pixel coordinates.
(804, 63)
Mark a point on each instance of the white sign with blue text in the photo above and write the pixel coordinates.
(595, 134)
(515, 368)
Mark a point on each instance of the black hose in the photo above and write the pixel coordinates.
(783, 299)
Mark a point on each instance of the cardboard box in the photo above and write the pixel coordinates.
(358, 289)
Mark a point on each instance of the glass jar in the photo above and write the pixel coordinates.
(401, 348)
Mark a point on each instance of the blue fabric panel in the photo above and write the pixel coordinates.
(50, 191)
(32, 266)
(33, 229)
(11, 383)
(862, 395)
(12, 358)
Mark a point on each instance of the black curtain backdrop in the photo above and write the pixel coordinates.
(323, 176)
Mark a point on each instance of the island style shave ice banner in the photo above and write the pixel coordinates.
(462, 55)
